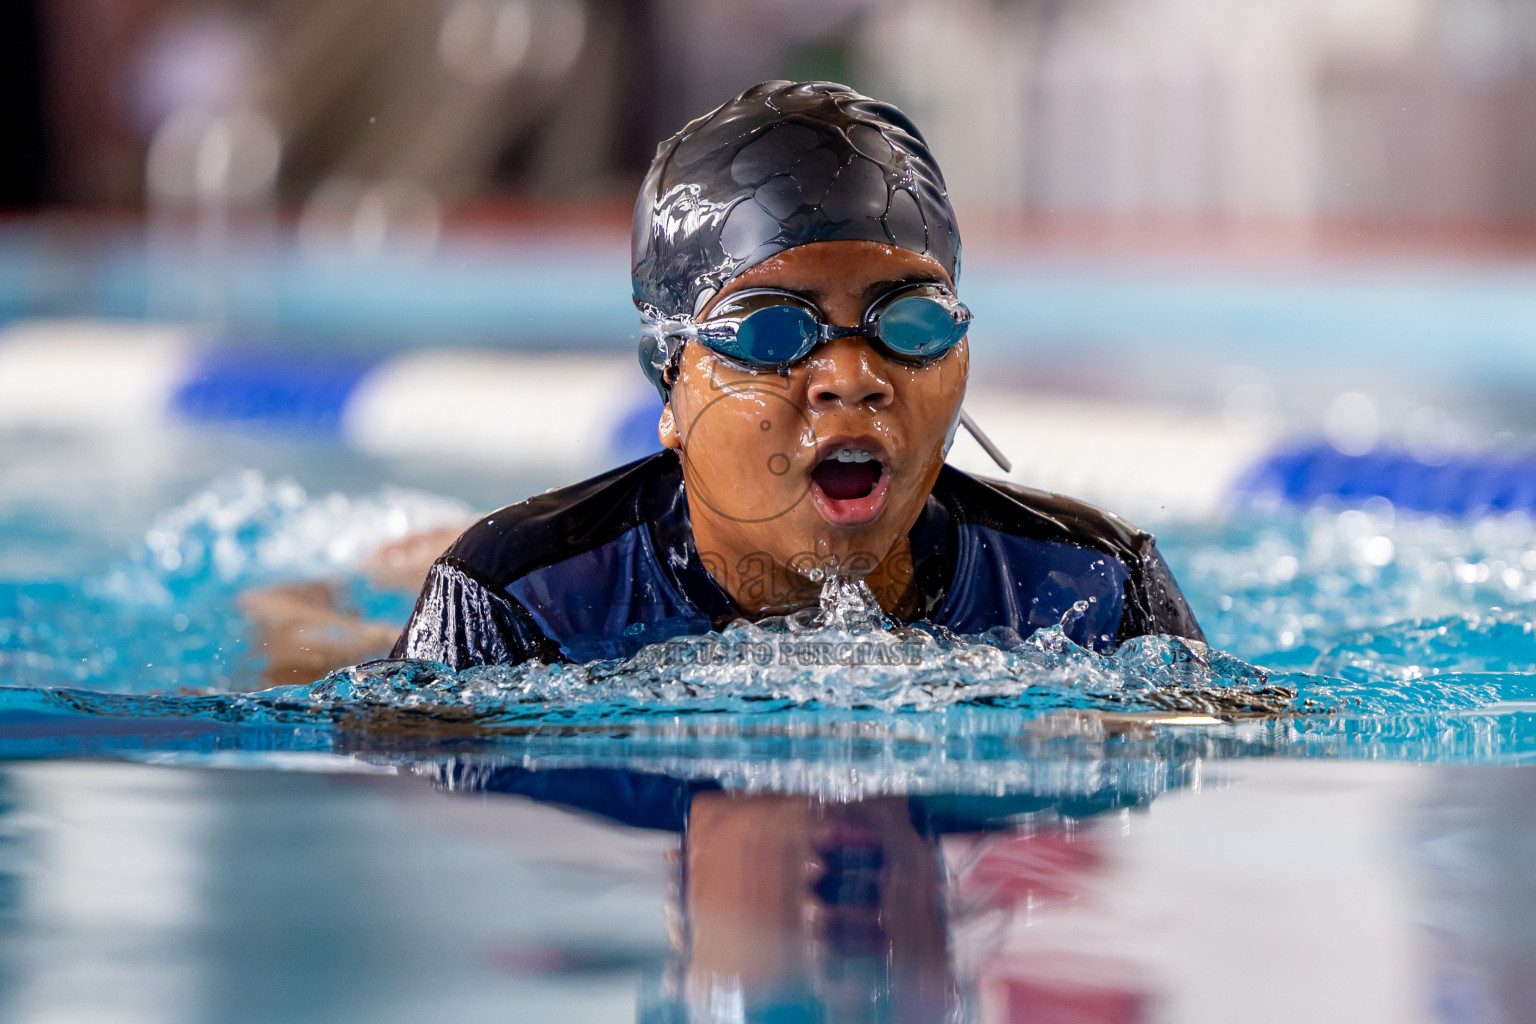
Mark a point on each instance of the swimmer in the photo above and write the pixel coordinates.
(795, 265)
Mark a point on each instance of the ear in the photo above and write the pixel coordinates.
(666, 429)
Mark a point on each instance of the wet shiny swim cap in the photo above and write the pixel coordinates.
(783, 164)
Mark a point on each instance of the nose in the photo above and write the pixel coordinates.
(847, 373)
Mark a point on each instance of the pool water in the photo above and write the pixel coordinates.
(1275, 890)
(817, 818)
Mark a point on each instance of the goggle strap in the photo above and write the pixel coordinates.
(986, 442)
(656, 324)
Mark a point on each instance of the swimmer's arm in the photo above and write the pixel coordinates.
(461, 621)
(403, 564)
(303, 630)
(1155, 603)
(302, 633)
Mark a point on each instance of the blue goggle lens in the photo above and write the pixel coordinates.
(775, 335)
(915, 327)
(919, 328)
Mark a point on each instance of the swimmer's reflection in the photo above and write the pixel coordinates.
(794, 909)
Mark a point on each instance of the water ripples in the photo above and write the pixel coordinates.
(1351, 633)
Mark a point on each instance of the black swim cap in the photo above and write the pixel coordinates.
(783, 164)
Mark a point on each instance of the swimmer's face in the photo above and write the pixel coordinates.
(760, 450)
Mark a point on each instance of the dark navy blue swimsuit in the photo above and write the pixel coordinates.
(601, 568)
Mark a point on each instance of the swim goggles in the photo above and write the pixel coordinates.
(764, 327)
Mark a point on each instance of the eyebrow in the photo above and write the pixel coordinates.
(873, 291)
(879, 288)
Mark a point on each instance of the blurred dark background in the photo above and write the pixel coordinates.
(1390, 111)
(23, 108)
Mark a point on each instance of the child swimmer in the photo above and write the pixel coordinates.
(795, 261)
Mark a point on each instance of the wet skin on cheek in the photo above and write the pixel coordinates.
(764, 516)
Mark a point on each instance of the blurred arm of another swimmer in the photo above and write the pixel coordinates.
(305, 631)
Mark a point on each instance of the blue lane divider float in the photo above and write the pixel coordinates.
(1464, 486)
(262, 390)
(635, 435)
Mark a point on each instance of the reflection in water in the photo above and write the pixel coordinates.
(159, 895)
(1474, 847)
(12, 882)
(793, 909)
(1263, 891)
(1080, 908)
(1005, 881)
(798, 908)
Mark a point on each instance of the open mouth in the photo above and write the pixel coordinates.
(851, 480)
(848, 474)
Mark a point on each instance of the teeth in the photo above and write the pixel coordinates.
(849, 455)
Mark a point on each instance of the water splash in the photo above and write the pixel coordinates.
(844, 654)
(1282, 589)
(247, 529)
(1351, 633)
(165, 618)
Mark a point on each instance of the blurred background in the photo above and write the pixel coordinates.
(1204, 231)
(1404, 112)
